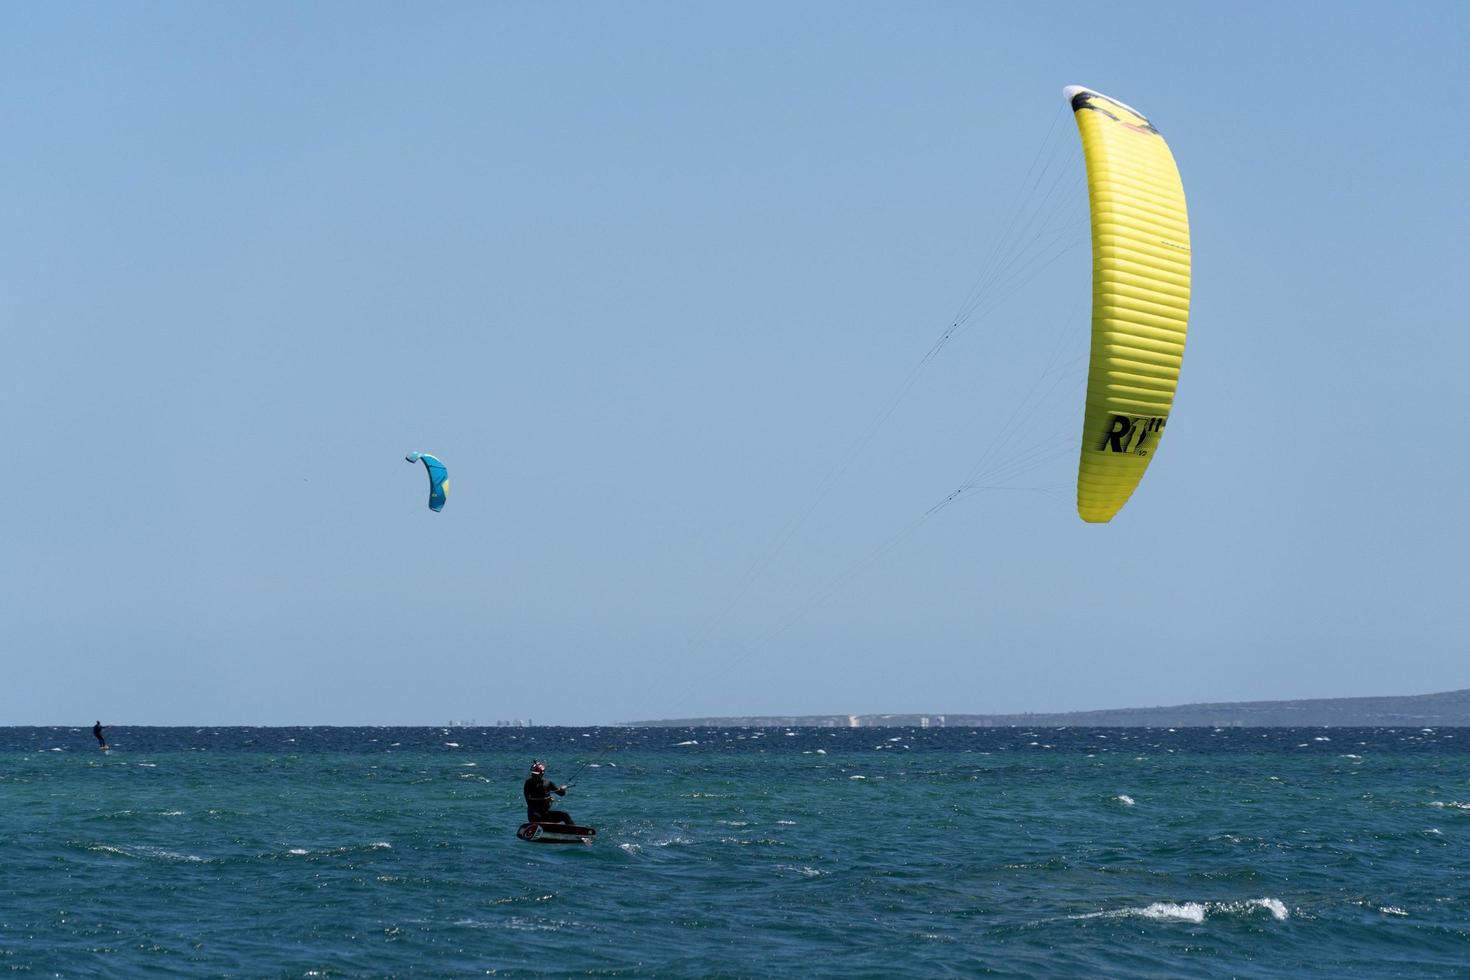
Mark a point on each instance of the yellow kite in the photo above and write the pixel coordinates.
(1140, 297)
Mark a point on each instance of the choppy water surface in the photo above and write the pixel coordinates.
(828, 852)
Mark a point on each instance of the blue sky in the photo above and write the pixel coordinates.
(642, 275)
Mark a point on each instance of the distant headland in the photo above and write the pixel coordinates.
(1452, 708)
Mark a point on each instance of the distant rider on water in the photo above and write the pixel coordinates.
(97, 731)
(538, 790)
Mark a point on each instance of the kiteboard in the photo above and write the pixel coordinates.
(555, 833)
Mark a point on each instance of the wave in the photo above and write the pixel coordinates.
(377, 845)
(147, 853)
(802, 870)
(519, 923)
(1195, 912)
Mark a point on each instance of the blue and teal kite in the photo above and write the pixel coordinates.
(438, 478)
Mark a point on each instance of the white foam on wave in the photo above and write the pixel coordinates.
(690, 742)
(1194, 912)
(452, 745)
(857, 777)
(1276, 907)
(821, 751)
(631, 848)
(147, 852)
(518, 923)
(802, 870)
(298, 851)
(171, 855)
(1167, 911)
(1452, 805)
(1392, 910)
(508, 900)
(1124, 799)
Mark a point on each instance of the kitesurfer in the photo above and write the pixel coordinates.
(97, 731)
(537, 791)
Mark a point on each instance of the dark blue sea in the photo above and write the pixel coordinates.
(347, 852)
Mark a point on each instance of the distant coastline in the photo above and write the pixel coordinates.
(1451, 708)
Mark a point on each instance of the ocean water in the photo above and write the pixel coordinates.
(320, 852)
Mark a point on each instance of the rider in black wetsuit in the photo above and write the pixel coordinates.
(537, 791)
(97, 734)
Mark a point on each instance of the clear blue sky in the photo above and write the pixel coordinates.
(641, 274)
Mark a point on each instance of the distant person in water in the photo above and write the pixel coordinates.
(537, 791)
(97, 731)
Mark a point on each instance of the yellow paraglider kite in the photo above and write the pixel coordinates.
(1140, 297)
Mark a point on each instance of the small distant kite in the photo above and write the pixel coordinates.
(438, 478)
